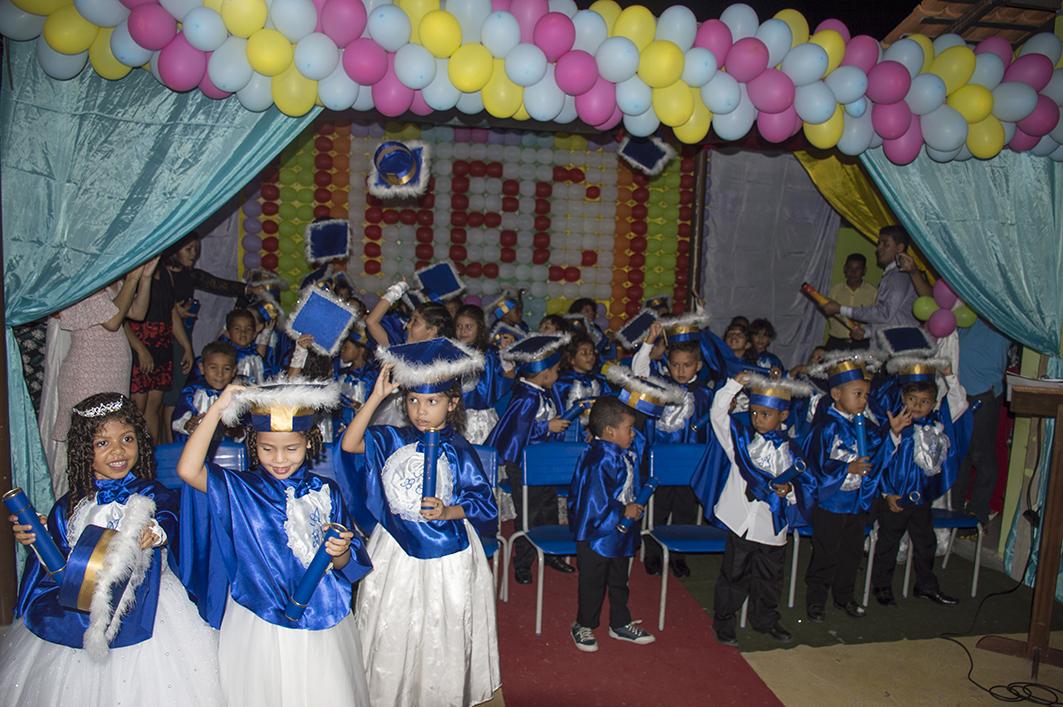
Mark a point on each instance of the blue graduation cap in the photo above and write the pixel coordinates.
(358, 335)
(282, 405)
(505, 304)
(501, 329)
(647, 394)
(399, 170)
(328, 240)
(845, 366)
(910, 355)
(267, 309)
(647, 155)
(323, 315)
(632, 333)
(686, 327)
(432, 366)
(904, 340)
(439, 281)
(775, 393)
(536, 352)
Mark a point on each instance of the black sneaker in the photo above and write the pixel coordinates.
(852, 608)
(653, 565)
(584, 639)
(632, 633)
(727, 637)
(884, 596)
(816, 613)
(778, 632)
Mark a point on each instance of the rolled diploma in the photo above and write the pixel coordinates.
(861, 436)
(431, 459)
(312, 577)
(52, 559)
(818, 297)
(642, 499)
(577, 409)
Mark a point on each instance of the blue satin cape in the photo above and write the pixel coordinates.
(594, 509)
(517, 427)
(830, 473)
(491, 386)
(565, 382)
(759, 482)
(903, 476)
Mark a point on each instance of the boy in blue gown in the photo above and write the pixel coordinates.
(217, 368)
(240, 332)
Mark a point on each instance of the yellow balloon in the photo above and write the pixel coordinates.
(522, 113)
(697, 127)
(244, 17)
(502, 97)
(954, 66)
(661, 63)
(40, 7)
(637, 24)
(102, 58)
(416, 10)
(973, 102)
(608, 10)
(797, 23)
(928, 49)
(293, 93)
(440, 33)
(213, 5)
(470, 67)
(269, 52)
(985, 138)
(833, 43)
(826, 135)
(67, 32)
(673, 104)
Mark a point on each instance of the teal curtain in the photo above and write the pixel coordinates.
(97, 177)
(994, 231)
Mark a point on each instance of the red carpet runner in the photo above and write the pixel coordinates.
(684, 667)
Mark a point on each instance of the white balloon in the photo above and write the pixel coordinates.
(1044, 43)
(228, 67)
(565, 7)
(544, 100)
(500, 33)
(126, 50)
(777, 37)
(19, 25)
(807, 63)
(735, 124)
(741, 19)
(698, 68)
(1057, 156)
(926, 94)
(678, 25)
(364, 102)
(634, 97)
(105, 13)
(257, 95)
(388, 25)
(642, 125)
(1009, 131)
(908, 53)
(177, 8)
(721, 95)
(441, 95)
(941, 155)
(591, 31)
(204, 29)
(337, 92)
(856, 134)
(415, 67)
(294, 18)
(471, 103)
(1045, 146)
(1054, 89)
(568, 111)
(1013, 101)
(470, 14)
(618, 59)
(57, 65)
(947, 41)
(988, 70)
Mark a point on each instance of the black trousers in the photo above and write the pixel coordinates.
(982, 455)
(542, 510)
(749, 569)
(918, 522)
(677, 501)
(596, 574)
(837, 546)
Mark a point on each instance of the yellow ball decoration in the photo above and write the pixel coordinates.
(954, 66)
(797, 23)
(833, 43)
(470, 67)
(440, 33)
(661, 63)
(102, 58)
(213, 5)
(293, 93)
(40, 7)
(928, 49)
(244, 17)
(985, 138)
(269, 52)
(697, 127)
(637, 24)
(66, 31)
(973, 102)
(673, 104)
(502, 97)
(826, 135)
(416, 10)
(522, 113)
(608, 10)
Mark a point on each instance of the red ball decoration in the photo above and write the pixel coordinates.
(635, 277)
(560, 174)
(507, 255)
(474, 270)
(326, 128)
(492, 219)
(458, 235)
(408, 217)
(270, 244)
(476, 219)
(322, 194)
(322, 211)
(424, 235)
(684, 230)
(372, 267)
(458, 252)
(372, 250)
(687, 164)
(576, 175)
(270, 208)
(682, 278)
(572, 274)
(391, 217)
(420, 264)
(427, 201)
(322, 144)
(323, 161)
(461, 168)
(269, 227)
(541, 240)
(686, 181)
(459, 185)
(542, 206)
(373, 201)
(425, 218)
(639, 211)
(270, 192)
(543, 189)
(322, 178)
(686, 213)
(593, 192)
(638, 228)
(459, 202)
(510, 204)
(637, 245)
(683, 246)
(686, 196)
(374, 214)
(633, 307)
(424, 251)
(508, 238)
(269, 261)
(557, 273)
(477, 168)
(641, 195)
(494, 169)
(588, 258)
(680, 294)
(637, 260)
(459, 219)
(540, 256)
(542, 223)
(373, 232)
(491, 270)
(634, 292)
(271, 172)
(511, 187)
(641, 179)
(682, 262)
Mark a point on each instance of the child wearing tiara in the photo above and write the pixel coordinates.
(427, 612)
(253, 535)
(145, 646)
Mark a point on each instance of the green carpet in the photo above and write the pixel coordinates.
(911, 619)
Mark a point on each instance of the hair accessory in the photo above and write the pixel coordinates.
(282, 404)
(505, 304)
(536, 353)
(328, 240)
(101, 409)
(432, 366)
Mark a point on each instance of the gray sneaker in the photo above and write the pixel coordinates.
(584, 638)
(633, 633)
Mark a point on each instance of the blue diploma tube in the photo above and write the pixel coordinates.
(577, 409)
(431, 458)
(790, 474)
(642, 499)
(48, 553)
(861, 435)
(312, 577)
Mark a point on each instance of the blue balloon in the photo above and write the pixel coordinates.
(678, 25)
(633, 96)
(947, 41)
(721, 95)
(568, 111)
(699, 67)
(1013, 101)
(415, 67)
(364, 102)
(814, 103)
(316, 56)
(642, 125)
(471, 103)
(741, 19)
(618, 59)
(257, 95)
(591, 31)
(944, 129)
(204, 29)
(500, 33)
(735, 124)
(805, 64)
(389, 27)
(857, 108)
(988, 70)
(544, 100)
(847, 83)
(941, 156)
(126, 50)
(336, 91)
(228, 67)
(906, 52)
(440, 94)
(777, 37)
(57, 65)
(926, 94)
(856, 134)
(525, 64)
(470, 14)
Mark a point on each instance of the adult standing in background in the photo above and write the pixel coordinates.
(854, 291)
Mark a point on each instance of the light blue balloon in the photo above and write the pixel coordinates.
(926, 94)
(988, 70)
(944, 129)
(525, 64)
(741, 19)
(228, 67)
(735, 125)
(204, 29)
(1044, 43)
(105, 13)
(964, 154)
(633, 96)
(568, 111)
(591, 31)
(1057, 156)
(699, 67)
(470, 14)
(1057, 132)
(847, 83)
(876, 141)
(257, 95)
(471, 103)
(721, 94)
(544, 100)
(19, 25)
(388, 26)
(500, 33)
(1013, 101)
(642, 125)
(295, 19)
(1045, 146)
(907, 53)
(814, 103)
(126, 50)
(565, 7)
(947, 41)
(777, 37)
(1054, 89)
(1009, 131)
(415, 67)
(857, 108)
(440, 94)
(941, 156)
(57, 65)
(316, 56)
(805, 64)
(336, 91)
(678, 25)
(856, 134)
(364, 102)
(618, 59)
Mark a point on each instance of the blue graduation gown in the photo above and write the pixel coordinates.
(186, 404)
(594, 506)
(830, 474)
(570, 387)
(759, 481)
(517, 426)
(903, 476)
(491, 386)
(694, 430)
(720, 361)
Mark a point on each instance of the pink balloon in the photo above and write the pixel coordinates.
(479, 135)
(389, 95)
(501, 5)
(772, 91)
(716, 37)
(891, 120)
(747, 59)
(941, 323)
(944, 295)
(861, 51)
(527, 13)
(613, 121)
(1044, 117)
(151, 26)
(905, 149)
(1021, 142)
(555, 34)
(888, 82)
(343, 20)
(576, 72)
(319, 5)
(777, 127)
(836, 25)
(419, 107)
(181, 65)
(995, 45)
(1034, 70)
(365, 61)
(596, 105)
(211, 91)
(462, 134)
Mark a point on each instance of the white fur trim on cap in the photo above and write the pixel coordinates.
(654, 387)
(796, 389)
(405, 374)
(282, 392)
(557, 341)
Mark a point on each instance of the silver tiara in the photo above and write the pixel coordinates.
(101, 409)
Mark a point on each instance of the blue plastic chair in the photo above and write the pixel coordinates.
(954, 521)
(228, 454)
(492, 543)
(545, 464)
(673, 465)
(805, 531)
